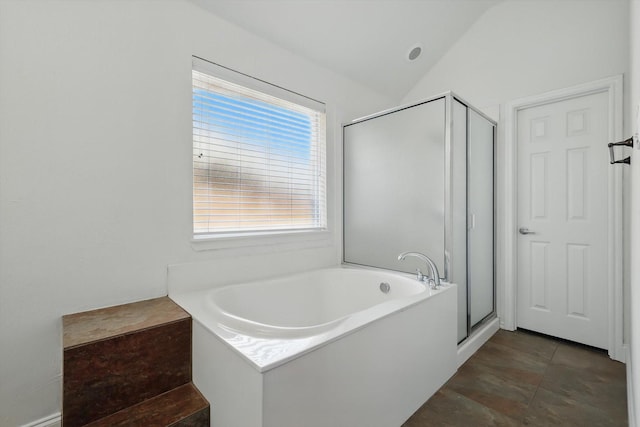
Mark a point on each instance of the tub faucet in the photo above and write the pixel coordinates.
(434, 278)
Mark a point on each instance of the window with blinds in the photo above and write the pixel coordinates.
(259, 160)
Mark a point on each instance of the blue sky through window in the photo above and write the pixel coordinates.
(272, 128)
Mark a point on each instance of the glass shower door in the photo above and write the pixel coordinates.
(480, 217)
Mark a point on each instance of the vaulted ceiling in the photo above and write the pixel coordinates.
(365, 40)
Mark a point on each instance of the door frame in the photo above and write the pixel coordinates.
(508, 316)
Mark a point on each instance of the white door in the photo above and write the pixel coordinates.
(562, 205)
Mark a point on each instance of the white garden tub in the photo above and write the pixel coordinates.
(324, 348)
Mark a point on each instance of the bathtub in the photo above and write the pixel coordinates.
(331, 347)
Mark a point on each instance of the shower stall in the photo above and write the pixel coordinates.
(422, 178)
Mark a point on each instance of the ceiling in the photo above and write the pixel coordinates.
(365, 40)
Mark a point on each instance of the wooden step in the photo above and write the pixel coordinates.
(120, 356)
(181, 407)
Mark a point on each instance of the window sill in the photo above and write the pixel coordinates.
(289, 240)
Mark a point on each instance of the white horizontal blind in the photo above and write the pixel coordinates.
(259, 162)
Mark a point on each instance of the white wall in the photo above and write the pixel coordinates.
(95, 167)
(526, 47)
(521, 48)
(633, 364)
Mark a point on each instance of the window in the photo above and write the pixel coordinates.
(259, 156)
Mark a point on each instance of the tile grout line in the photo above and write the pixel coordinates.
(535, 393)
(493, 375)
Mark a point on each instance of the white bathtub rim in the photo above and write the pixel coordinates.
(241, 325)
(298, 347)
(255, 349)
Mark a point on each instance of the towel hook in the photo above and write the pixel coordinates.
(626, 143)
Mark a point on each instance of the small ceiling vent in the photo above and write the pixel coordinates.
(414, 52)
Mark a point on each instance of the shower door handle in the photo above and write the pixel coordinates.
(525, 230)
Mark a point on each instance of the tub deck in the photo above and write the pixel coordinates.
(245, 330)
(351, 376)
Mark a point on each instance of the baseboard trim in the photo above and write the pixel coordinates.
(475, 341)
(53, 420)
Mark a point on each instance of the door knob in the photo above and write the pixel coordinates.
(524, 230)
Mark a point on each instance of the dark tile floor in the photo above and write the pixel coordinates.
(525, 379)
